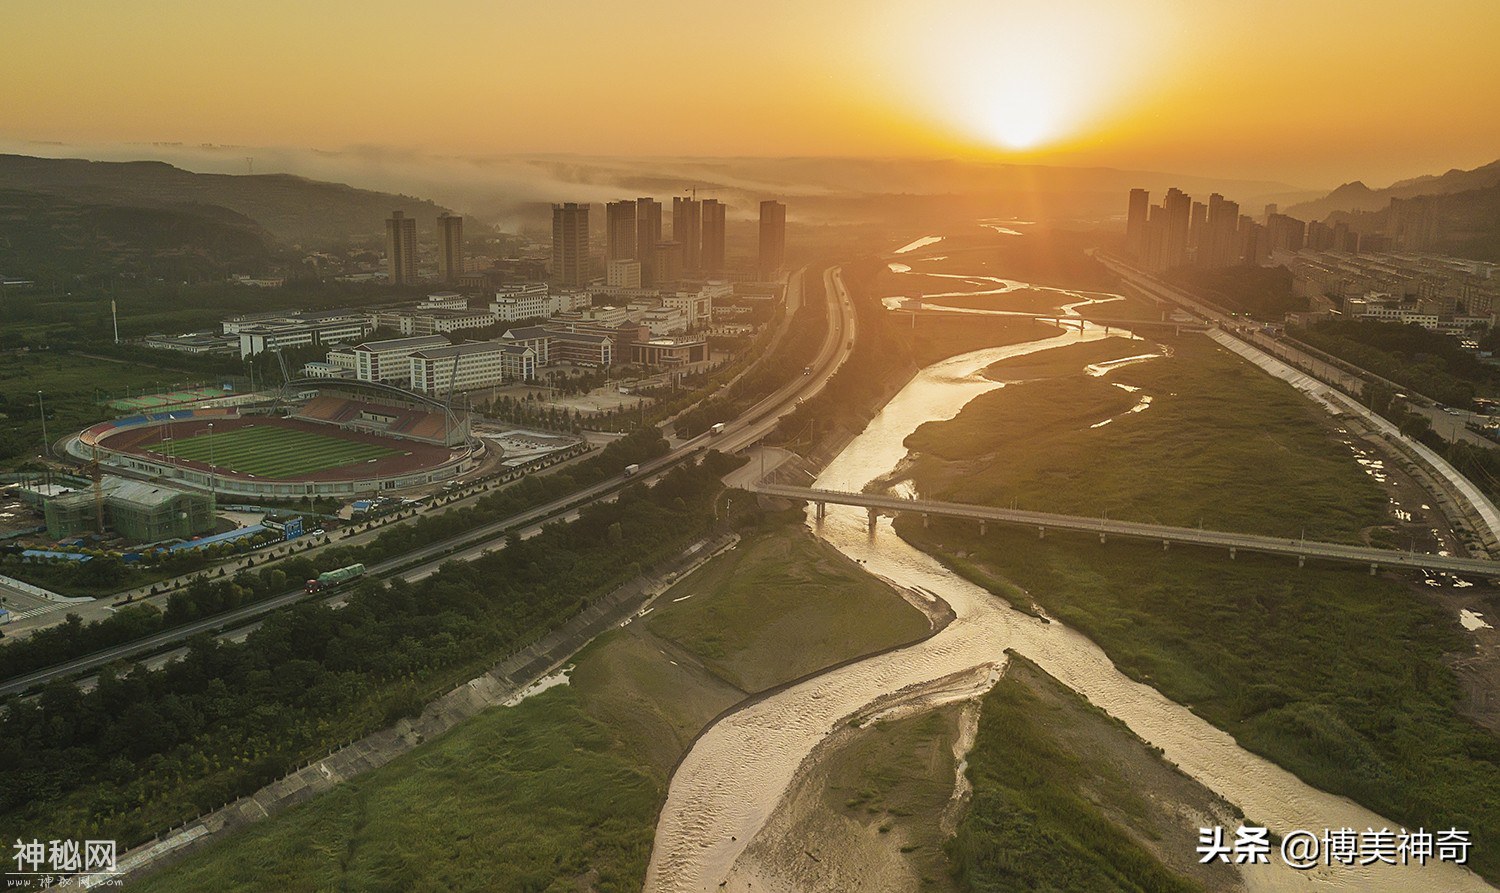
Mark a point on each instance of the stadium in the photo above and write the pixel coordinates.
(315, 438)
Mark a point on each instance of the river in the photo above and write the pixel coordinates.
(731, 780)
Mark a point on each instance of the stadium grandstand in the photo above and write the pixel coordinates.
(380, 409)
(318, 437)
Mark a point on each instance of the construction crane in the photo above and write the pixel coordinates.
(286, 372)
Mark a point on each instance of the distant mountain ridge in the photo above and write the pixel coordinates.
(292, 210)
(1356, 196)
(1460, 224)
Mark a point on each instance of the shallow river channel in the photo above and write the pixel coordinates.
(730, 782)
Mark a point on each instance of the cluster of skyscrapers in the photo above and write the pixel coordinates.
(637, 253)
(401, 248)
(1181, 232)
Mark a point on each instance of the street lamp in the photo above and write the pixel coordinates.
(210, 456)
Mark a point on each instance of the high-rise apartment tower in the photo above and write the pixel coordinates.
(570, 244)
(400, 249)
(687, 230)
(713, 237)
(772, 237)
(450, 258)
(647, 234)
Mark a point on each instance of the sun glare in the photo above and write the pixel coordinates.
(1021, 119)
(1018, 75)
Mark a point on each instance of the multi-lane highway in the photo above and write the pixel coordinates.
(750, 427)
(1043, 521)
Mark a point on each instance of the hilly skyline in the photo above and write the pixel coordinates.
(64, 216)
(1204, 89)
(1357, 196)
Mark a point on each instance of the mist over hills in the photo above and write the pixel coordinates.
(293, 210)
(198, 211)
(849, 190)
(515, 191)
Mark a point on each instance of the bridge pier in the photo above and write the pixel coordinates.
(1041, 532)
(874, 515)
(1231, 553)
(1374, 568)
(1101, 536)
(822, 510)
(983, 528)
(1165, 544)
(1302, 561)
(926, 520)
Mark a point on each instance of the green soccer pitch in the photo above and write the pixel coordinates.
(273, 452)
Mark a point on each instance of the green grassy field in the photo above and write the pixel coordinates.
(786, 594)
(560, 793)
(1065, 799)
(897, 776)
(1341, 678)
(1066, 360)
(273, 452)
(1222, 445)
(70, 386)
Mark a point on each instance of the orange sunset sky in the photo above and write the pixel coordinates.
(1312, 92)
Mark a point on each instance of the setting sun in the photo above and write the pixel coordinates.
(921, 446)
(1017, 76)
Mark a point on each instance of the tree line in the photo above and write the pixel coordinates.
(145, 750)
(73, 638)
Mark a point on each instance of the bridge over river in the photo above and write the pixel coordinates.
(1301, 549)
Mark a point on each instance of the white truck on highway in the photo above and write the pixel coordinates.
(716, 429)
(630, 470)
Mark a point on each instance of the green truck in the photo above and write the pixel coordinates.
(330, 579)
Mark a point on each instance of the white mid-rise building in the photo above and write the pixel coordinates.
(320, 369)
(309, 318)
(570, 301)
(665, 320)
(606, 316)
(470, 365)
(520, 303)
(535, 337)
(445, 300)
(385, 361)
(698, 306)
(439, 321)
(344, 358)
(255, 339)
(623, 274)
